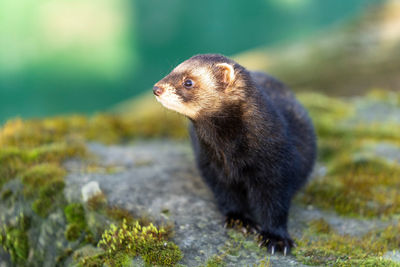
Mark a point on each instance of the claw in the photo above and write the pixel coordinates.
(243, 225)
(273, 243)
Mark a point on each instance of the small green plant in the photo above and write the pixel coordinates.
(76, 219)
(14, 239)
(75, 213)
(122, 243)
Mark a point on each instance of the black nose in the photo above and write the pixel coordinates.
(157, 90)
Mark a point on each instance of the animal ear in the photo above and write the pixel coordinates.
(228, 73)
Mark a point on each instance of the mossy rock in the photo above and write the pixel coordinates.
(354, 185)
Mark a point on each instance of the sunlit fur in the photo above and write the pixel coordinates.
(171, 101)
(254, 143)
(209, 100)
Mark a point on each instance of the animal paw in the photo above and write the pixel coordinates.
(275, 243)
(240, 223)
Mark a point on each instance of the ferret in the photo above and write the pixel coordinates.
(254, 143)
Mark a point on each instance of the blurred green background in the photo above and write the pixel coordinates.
(70, 56)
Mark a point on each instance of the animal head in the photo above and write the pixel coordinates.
(201, 85)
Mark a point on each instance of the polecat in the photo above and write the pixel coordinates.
(254, 143)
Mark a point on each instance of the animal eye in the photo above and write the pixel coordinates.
(188, 83)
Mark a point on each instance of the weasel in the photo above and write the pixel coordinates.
(254, 143)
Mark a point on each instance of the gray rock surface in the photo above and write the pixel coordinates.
(159, 179)
(374, 110)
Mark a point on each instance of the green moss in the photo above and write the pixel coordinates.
(105, 128)
(326, 112)
(318, 104)
(358, 187)
(41, 176)
(142, 121)
(390, 235)
(73, 231)
(122, 243)
(215, 261)
(57, 152)
(43, 182)
(42, 206)
(324, 247)
(64, 255)
(51, 189)
(119, 214)
(266, 262)
(11, 162)
(320, 226)
(14, 239)
(385, 96)
(15, 161)
(33, 133)
(356, 184)
(92, 261)
(331, 118)
(370, 165)
(386, 131)
(16, 244)
(96, 168)
(368, 262)
(75, 213)
(97, 202)
(238, 245)
(77, 226)
(162, 253)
